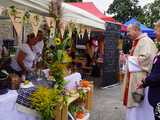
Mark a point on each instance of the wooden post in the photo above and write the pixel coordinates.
(58, 112)
(89, 99)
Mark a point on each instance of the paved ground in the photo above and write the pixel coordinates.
(107, 104)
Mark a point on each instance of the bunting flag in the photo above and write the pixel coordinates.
(35, 21)
(50, 22)
(71, 27)
(77, 26)
(69, 30)
(17, 20)
(82, 30)
(1, 9)
(89, 31)
(52, 32)
(63, 26)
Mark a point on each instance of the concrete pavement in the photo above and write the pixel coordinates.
(107, 104)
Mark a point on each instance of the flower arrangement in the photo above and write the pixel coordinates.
(57, 60)
(44, 101)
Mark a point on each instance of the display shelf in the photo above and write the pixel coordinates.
(73, 98)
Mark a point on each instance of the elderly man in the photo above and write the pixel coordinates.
(142, 54)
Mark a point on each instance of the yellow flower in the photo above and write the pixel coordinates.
(66, 57)
(57, 41)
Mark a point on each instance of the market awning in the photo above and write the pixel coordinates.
(70, 13)
(91, 8)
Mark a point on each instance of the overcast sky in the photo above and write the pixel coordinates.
(104, 4)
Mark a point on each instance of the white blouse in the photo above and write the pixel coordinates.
(37, 49)
(28, 60)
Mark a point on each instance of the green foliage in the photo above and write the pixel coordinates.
(73, 108)
(44, 101)
(26, 17)
(13, 11)
(57, 58)
(82, 94)
(152, 13)
(123, 10)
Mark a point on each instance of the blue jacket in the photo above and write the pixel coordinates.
(153, 81)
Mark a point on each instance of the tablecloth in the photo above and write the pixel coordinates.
(8, 109)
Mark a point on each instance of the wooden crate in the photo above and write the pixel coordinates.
(89, 100)
(88, 103)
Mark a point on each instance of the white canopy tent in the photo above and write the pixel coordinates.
(70, 13)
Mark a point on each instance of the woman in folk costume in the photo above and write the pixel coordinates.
(142, 54)
(153, 79)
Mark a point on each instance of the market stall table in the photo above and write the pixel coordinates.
(73, 98)
(8, 109)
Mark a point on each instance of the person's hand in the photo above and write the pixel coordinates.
(122, 58)
(139, 84)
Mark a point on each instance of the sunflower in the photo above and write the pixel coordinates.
(57, 41)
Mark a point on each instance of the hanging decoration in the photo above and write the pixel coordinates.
(2, 9)
(17, 19)
(52, 26)
(89, 31)
(55, 12)
(63, 26)
(71, 27)
(35, 21)
(50, 22)
(82, 30)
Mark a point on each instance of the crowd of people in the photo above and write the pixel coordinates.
(141, 85)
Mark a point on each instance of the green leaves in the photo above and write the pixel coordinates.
(13, 11)
(44, 101)
(82, 94)
(152, 13)
(123, 10)
(59, 55)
